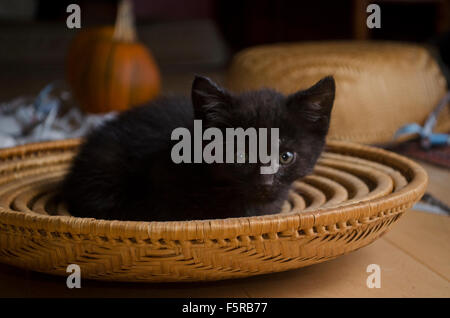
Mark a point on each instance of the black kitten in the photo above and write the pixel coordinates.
(124, 169)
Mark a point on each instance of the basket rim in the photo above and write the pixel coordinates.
(222, 228)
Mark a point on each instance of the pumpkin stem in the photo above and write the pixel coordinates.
(124, 29)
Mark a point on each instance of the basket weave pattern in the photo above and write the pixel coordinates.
(354, 195)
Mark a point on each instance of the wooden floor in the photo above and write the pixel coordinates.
(439, 185)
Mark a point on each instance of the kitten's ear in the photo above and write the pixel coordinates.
(315, 103)
(207, 95)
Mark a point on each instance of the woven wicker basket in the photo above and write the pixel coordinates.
(380, 86)
(354, 195)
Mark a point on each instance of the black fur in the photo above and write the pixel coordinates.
(124, 170)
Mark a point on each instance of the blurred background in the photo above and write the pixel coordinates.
(201, 36)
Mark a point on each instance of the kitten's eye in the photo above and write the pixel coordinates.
(286, 157)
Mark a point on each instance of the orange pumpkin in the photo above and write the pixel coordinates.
(108, 70)
(84, 40)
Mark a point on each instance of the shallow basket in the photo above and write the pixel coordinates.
(354, 195)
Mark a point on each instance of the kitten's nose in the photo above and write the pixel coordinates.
(267, 179)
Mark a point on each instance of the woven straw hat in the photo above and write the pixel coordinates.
(380, 86)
